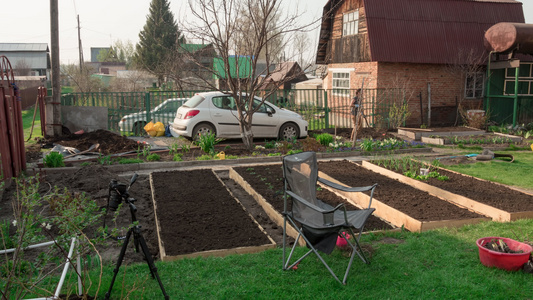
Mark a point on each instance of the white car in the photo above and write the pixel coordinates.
(163, 113)
(216, 112)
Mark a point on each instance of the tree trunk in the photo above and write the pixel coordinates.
(247, 135)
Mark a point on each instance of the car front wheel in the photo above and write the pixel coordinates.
(202, 128)
(138, 128)
(289, 131)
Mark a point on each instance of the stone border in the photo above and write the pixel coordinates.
(218, 252)
(478, 207)
(394, 216)
(210, 163)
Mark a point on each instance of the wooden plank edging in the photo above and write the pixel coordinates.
(267, 207)
(162, 252)
(496, 214)
(217, 252)
(394, 216)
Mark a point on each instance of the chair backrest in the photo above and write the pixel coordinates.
(301, 174)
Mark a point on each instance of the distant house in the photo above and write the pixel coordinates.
(412, 45)
(104, 61)
(284, 76)
(31, 67)
(196, 62)
(28, 59)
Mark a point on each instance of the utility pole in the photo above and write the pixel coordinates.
(80, 48)
(53, 105)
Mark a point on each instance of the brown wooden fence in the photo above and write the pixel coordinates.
(12, 152)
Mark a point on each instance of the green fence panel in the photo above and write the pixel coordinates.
(321, 108)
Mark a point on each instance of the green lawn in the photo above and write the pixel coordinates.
(27, 118)
(438, 264)
(519, 173)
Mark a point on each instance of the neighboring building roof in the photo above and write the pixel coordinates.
(244, 64)
(24, 47)
(426, 31)
(32, 55)
(284, 69)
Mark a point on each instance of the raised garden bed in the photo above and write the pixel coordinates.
(196, 215)
(399, 203)
(418, 133)
(265, 184)
(495, 200)
(492, 139)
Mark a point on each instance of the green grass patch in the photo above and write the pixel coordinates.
(27, 120)
(437, 264)
(517, 173)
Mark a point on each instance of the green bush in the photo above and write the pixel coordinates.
(324, 139)
(207, 142)
(153, 157)
(53, 160)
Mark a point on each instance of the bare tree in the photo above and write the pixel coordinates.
(241, 45)
(21, 68)
(82, 80)
(469, 68)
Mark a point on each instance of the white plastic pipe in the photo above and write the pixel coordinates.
(29, 247)
(65, 269)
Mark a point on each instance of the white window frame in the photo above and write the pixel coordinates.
(510, 78)
(350, 23)
(474, 85)
(340, 83)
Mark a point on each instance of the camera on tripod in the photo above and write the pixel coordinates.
(118, 192)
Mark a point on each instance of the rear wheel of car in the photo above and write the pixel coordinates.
(202, 128)
(289, 131)
(138, 128)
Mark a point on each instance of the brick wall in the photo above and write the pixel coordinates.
(447, 87)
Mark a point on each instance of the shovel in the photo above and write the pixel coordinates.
(93, 147)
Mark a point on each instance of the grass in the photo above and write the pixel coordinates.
(27, 118)
(438, 264)
(519, 173)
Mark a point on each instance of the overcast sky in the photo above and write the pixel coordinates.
(105, 21)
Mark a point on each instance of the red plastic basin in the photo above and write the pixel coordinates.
(506, 261)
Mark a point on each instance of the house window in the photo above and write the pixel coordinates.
(474, 85)
(525, 80)
(341, 83)
(350, 23)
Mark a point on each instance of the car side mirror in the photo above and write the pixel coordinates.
(269, 111)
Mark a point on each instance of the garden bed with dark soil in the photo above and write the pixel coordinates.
(492, 194)
(196, 213)
(111, 143)
(267, 180)
(402, 197)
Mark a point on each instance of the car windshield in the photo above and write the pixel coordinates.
(193, 101)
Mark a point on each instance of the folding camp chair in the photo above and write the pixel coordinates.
(318, 223)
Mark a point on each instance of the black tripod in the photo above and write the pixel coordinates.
(138, 239)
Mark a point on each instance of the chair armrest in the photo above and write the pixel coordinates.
(347, 188)
(328, 217)
(314, 207)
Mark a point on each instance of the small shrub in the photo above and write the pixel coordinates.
(324, 139)
(177, 157)
(153, 157)
(53, 160)
(207, 142)
(104, 160)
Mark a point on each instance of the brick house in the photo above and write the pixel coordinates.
(430, 49)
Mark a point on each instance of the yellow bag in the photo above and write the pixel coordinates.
(150, 128)
(159, 128)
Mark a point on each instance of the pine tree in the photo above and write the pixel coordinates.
(158, 41)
